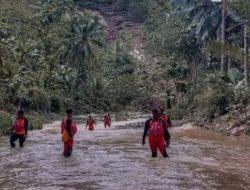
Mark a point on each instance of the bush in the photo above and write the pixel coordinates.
(37, 97)
(5, 122)
(213, 102)
(35, 122)
(180, 110)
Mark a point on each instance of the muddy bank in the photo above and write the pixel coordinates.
(227, 125)
(234, 123)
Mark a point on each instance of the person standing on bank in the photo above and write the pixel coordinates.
(19, 129)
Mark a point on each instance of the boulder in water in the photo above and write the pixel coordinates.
(237, 131)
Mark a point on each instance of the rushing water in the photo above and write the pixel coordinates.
(114, 159)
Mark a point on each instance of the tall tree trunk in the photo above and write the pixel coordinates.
(245, 54)
(49, 75)
(223, 26)
(229, 63)
(194, 73)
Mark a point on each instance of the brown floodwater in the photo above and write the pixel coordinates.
(114, 159)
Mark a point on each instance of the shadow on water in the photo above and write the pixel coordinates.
(114, 159)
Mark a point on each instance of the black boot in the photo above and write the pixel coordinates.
(165, 155)
(12, 144)
(154, 155)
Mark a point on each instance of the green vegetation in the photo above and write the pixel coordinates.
(5, 123)
(184, 37)
(53, 56)
(6, 120)
(35, 122)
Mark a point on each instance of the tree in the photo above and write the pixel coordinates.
(242, 8)
(86, 34)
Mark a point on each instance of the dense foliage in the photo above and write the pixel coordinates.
(185, 37)
(53, 56)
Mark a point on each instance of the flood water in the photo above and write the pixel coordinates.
(114, 159)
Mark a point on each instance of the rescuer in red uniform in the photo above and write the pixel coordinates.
(107, 120)
(90, 124)
(68, 130)
(155, 129)
(19, 129)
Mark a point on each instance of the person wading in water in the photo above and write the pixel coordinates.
(90, 124)
(107, 120)
(68, 130)
(19, 129)
(155, 129)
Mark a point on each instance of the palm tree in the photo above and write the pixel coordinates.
(205, 19)
(87, 34)
(243, 9)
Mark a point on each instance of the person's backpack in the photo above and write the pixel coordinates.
(156, 128)
(20, 126)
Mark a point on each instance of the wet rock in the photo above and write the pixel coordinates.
(236, 127)
(238, 131)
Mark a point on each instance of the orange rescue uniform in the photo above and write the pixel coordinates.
(156, 137)
(66, 137)
(90, 124)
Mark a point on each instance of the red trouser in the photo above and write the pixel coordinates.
(157, 143)
(91, 128)
(68, 146)
(107, 124)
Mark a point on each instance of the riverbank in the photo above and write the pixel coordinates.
(234, 123)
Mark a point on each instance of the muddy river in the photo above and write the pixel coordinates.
(114, 159)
